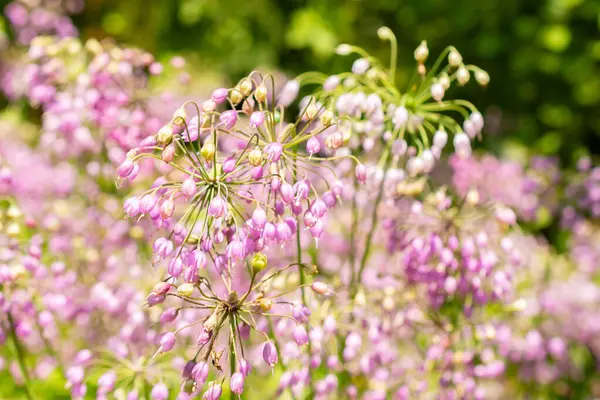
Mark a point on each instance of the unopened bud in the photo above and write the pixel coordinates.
(462, 76)
(185, 290)
(258, 262)
(343, 49)
(482, 77)
(208, 151)
(260, 94)
(165, 135)
(327, 117)
(255, 157)
(236, 96)
(179, 116)
(265, 305)
(245, 86)
(422, 52)
(321, 288)
(385, 33)
(454, 58)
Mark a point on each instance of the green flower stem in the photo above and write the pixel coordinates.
(20, 358)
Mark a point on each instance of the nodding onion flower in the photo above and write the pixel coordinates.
(373, 111)
(224, 318)
(243, 186)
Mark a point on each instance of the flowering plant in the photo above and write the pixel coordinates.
(316, 239)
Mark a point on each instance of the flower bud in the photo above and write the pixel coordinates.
(208, 106)
(245, 86)
(343, 49)
(265, 305)
(217, 207)
(167, 208)
(260, 93)
(257, 118)
(244, 367)
(482, 77)
(258, 262)
(208, 151)
(454, 58)
(361, 173)
(440, 138)
(360, 66)
(422, 52)
(228, 119)
(165, 135)
(313, 145)
(270, 354)
(288, 93)
(219, 95)
(312, 110)
(385, 33)
(179, 116)
(237, 383)
(321, 288)
(161, 288)
(444, 80)
(236, 95)
(185, 289)
(462, 76)
(300, 335)
(214, 391)
(167, 342)
(200, 373)
(255, 157)
(437, 91)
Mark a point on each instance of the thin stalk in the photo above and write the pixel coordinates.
(20, 358)
(387, 162)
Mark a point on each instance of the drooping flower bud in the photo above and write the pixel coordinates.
(361, 173)
(321, 288)
(360, 66)
(236, 383)
(185, 290)
(228, 119)
(482, 77)
(462, 76)
(213, 392)
(217, 207)
(255, 157)
(437, 91)
(288, 93)
(200, 373)
(300, 335)
(257, 118)
(270, 354)
(159, 392)
(454, 58)
(167, 342)
(165, 135)
(260, 93)
(208, 151)
(219, 95)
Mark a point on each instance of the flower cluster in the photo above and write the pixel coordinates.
(260, 243)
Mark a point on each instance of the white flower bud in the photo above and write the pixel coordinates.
(454, 58)
(422, 52)
(343, 49)
(462, 75)
(482, 77)
(437, 91)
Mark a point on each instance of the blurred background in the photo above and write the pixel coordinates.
(543, 55)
